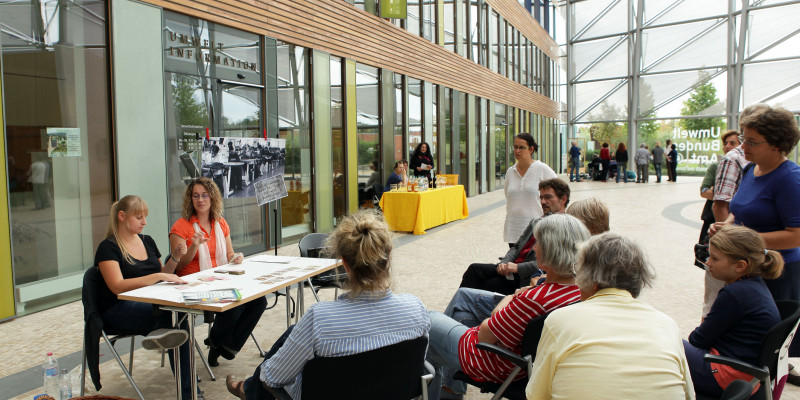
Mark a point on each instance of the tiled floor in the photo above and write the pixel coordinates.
(663, 217)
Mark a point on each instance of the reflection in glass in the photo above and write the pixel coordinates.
(337, 132)
(367, 130)
(449, 25)
(462, 138)
(414, 113)
(429, 19)
(435, 119)
(399, 102)
(293, 125)
(500, 145)
(55, 81)
(413, 17)
(448, 131)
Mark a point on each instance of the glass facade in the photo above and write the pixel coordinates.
(214, 90)
(227, 85)
(58, 144)
(294, 120)
(657, 70)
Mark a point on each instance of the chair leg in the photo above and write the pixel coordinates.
(83, 373)
(313, 289)
(130, 357)
(499, 393)
(163, 353)
(203, 359)
(122, 366)
(258, 346)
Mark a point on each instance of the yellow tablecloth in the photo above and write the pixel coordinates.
(417, 211)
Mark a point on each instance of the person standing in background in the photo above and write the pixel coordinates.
(672, 161)
(605, 159)
(667, 147)
(658, 159)
(575, 159)
(730, 141)
(642, 159)
(622, 162)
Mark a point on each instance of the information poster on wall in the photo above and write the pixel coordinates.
(245, 167)
(63, 142)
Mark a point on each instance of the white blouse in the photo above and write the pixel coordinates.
(522, 198)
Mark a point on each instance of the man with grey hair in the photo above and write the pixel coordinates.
(642, 159)
(519, 264)
(610, 324)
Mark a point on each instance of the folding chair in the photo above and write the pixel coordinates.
(396, 372)
(94, 288)
(772, 361)
(312, 245)
(509, 388)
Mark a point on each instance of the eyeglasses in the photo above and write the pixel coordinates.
(205, 196)
(521, 147)
(749, 143)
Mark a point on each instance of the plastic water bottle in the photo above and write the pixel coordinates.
(65, 385)
(50, 366)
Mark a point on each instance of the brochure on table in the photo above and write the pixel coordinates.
(258, 276)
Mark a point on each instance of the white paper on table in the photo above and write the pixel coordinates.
(274, 259)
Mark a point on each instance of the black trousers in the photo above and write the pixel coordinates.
(485, 277)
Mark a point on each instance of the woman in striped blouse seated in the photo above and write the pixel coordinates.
(455, 334)
(364, 244)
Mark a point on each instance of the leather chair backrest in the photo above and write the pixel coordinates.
(387, 373)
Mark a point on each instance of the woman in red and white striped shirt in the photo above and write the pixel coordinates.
(453, 344)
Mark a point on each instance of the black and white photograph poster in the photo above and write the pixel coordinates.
(237, 164)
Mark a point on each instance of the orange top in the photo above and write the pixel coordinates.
(185, 229)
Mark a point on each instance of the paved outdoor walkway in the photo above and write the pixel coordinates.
(663, 217)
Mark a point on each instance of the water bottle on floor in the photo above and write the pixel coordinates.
(65, 385)
(50, 366)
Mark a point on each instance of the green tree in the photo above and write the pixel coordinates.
(613, 130)
(190, 111)
(702, 99)
(648, 130)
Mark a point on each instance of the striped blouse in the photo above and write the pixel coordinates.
(508, 325)
(345, 327)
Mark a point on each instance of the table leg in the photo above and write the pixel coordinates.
(300, 301)
(288, 310)
(177, 363)
(191, 356)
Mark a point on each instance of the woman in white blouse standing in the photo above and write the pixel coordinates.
(522, 187)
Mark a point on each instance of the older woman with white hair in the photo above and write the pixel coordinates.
(611, 345)
(481, 316)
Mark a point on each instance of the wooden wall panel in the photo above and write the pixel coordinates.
(518, 16)
(338, 28)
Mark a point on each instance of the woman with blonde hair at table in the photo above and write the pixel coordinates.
(129, 260)
(207, 237)
(367, 317)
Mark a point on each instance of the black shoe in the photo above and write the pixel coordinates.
(213, 355)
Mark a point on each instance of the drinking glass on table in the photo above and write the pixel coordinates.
(393, 187)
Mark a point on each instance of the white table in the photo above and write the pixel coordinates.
(252, 285)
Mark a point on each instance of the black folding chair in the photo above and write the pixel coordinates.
(313, 245)
(774, 350)
(93, 292)
(510, 389)
(396, 372)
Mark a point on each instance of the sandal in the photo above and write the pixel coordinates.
(235, 387)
